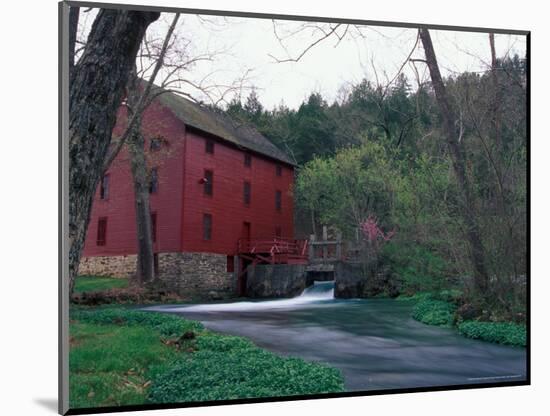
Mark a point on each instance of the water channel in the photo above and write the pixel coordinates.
(374, 342)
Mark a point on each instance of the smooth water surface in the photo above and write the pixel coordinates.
(374, 342)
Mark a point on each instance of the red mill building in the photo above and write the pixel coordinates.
(218, 191)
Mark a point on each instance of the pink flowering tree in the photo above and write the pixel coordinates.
(372, 232)
(374, 236)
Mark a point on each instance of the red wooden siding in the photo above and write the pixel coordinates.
(226, 205)
(119, 209)
(182, 159)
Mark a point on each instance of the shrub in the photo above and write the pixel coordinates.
(500, 332)
(418, 267)
(225, 367)
(434, 312)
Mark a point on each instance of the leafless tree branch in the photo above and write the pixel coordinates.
(325, 34)
(142, 100)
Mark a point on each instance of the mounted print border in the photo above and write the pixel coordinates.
(225, 240)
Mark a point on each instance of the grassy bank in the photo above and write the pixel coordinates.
(440, 309)
(98, 283)
(103, 290)
(121, 357)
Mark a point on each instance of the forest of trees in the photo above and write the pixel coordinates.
(382, 152)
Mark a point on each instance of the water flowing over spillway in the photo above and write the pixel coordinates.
(374, 342)
(312, 296)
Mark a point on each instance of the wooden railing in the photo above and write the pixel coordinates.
(285, 250)
(274, 250)
(325, 250)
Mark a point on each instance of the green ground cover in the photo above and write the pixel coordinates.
(440, 309)
(123, 357)
(508, 333)
(434, 312)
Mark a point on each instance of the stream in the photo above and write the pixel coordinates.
(374, 342)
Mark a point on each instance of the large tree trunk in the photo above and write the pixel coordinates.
(451, 131)
(74, 13)
(96, 91)
(138, 164)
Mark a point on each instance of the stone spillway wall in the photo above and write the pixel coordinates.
(276, 280)
(363, 280)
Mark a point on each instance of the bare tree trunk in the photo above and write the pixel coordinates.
(313, 227)
(96, 91)
(139, 98)
(451, 131)
(509, 237)
(138, 164)
(145, 263)
(496, 91)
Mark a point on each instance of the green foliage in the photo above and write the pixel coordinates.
(303, 133)
(98, 283)
(315, 187)
(233, 368)
(343, 190)
(223, 343)
(410, 183)
(450, 295)
(439, 309)
(500, 332)
(424, 194)
(167, 325)
(418, 268)
(434, 312)
(117, 358)
(416, 297)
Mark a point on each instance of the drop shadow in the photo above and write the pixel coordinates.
(49, 404)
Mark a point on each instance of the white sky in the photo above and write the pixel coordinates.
(327, 67)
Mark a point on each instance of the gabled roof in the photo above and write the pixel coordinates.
(222, 126)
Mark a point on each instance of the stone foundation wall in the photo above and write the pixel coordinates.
(194, 275)
(277, 280)
(113, 266)
(350, 280)
(198, 275)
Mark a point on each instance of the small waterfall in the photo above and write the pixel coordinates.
(319, 291)
(317, 294)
